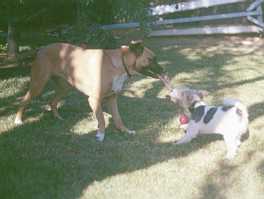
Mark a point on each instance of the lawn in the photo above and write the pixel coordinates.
(48, 158)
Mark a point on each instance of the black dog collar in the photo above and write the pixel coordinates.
(194, 105)
(125, 66)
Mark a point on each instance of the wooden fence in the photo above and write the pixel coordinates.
(253, 14)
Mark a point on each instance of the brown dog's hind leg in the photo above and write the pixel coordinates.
(25, 101)
(61, 90)
(38, 81)
(96, 106)
(36, 86)
(113, 108)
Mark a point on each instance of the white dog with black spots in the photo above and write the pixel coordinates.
(229, 119)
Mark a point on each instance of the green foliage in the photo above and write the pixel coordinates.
(91, 35)
(84, 16)
(36, 14)
(3, 47)
(91, 14)
(98, 38)
(112, 11)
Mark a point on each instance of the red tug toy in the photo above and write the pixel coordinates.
(183, 119)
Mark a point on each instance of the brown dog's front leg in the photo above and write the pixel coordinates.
(113, 108)
(96, 106)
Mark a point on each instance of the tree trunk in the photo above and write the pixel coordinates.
(79, 16)
(12, 47)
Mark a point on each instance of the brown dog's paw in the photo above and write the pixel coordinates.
(18, 121)
(100, 136)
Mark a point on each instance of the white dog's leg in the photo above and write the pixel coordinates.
(191, 132)
(232, 144)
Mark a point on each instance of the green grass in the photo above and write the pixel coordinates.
(47, 158)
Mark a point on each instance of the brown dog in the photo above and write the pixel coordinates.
(97, 73)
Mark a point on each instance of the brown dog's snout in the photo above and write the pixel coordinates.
(150, 71)
(154, 69)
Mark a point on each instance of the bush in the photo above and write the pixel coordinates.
(94, 13)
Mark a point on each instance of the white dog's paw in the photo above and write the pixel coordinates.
(183, 126)
(100, 136)
(131, 132)
(18, 121)
(178, 143)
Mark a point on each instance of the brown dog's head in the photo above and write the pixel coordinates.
(145, 60)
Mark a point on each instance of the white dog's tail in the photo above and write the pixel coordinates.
(241, 108)
(241, 111)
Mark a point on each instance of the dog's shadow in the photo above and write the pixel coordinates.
(48, 153)
(51, 159)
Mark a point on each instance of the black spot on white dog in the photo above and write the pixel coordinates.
(209, 115)
(239, 112)
(226, 108)
(198, 113)
(244, 136)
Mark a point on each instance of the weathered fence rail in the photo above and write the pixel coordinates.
(191, 5)
(253, 14)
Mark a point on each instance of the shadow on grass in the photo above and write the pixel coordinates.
(218, 181)
(7, 73)
(255, 111)
(227, 175)
(45, 159)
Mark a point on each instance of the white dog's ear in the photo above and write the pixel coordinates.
(203, 93)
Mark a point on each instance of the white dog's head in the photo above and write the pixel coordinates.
(185, 97)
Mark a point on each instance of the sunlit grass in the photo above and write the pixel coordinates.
(47, 158)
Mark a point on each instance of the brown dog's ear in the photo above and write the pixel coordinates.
(136, 47)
